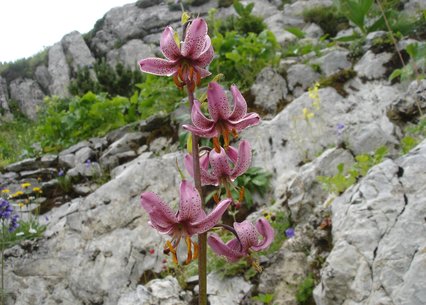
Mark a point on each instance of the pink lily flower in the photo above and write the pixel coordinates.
(247, 240)
(221, 170)
(189, 220)
(184, 61)
(222, 121)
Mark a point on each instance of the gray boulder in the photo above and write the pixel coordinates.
(42, 76)
(379, 238)
(28, 94)
(59, 71)
(333, 61)
(300, 77)
(371, 66)
(130, 53)
(269, 91)
(77, 52)
(4, 105)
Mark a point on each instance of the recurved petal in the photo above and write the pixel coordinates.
(190, 203)
(219, 164)
(198, 118)
(211, 219)
(243, 161)
(220, 248)
(206, 177)
(195, 39)
(161, 215)
(232, 153)
(158, 66)
(240, 104)
(250, 119)
(266, 230)
(202, 72)
(206, 55)
(217, 102)
(205, 133)
(168, 44)
(247, 234)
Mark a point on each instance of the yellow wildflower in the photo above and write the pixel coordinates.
(313, 94)
(5, 191)
(37, 190)
(307, 115)
(18, 193)
(25, 185)
(21, 205)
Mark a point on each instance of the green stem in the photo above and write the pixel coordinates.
(202, 238)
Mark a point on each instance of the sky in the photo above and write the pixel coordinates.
(28, 26)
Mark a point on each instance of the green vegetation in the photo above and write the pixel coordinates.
(264, 298)
(242, 45)
(338, 183)
(24, 67)
(67, 121)
(254, 180)
(329, 19)
(119, 81)
(414, 133)
(305, 289)
(416, 68)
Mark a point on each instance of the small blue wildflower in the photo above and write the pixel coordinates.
(289, 233)
(6, 212)
(14, 223)
(339, 128)
(88, 163)
(61, 172)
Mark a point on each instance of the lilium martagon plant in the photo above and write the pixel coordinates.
(184, 60)
(189, 220)
(246, 241)
(223, 121)
(226, 165)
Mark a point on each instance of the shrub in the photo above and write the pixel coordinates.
(329, 19)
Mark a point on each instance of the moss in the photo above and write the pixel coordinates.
(382, 44)
(328, 18)
(338, 80)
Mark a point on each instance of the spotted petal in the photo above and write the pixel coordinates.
(206, 177)
(210, 220)
(250, 119)
(206, 55)
(266, 230)
(195, 39)
(219, 163)
(247, 234)
(229, 250)
(198, 118)
(158, 66)
(161, 215)
(190, 203)
(168, 45)
(243, 160)
(217, 102)
(240, 104)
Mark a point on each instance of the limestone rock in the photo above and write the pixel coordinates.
(379, 238)
(26, 164)
(296, 8)
(43, 77)
(4, 105)
(371, 66)
(27, 93)
(333, 61)
(226, 291)
(130, 53)
(59, 71)
(300, 77)
(277, 24)
(124, 23)
(77, 51)
(289, 140)
(159, 291)
(269, 90)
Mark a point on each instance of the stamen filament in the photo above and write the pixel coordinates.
(216, 144)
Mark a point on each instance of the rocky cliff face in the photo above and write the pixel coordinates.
(367, 247)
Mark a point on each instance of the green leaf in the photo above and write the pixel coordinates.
(296, 32)
(396, 73)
